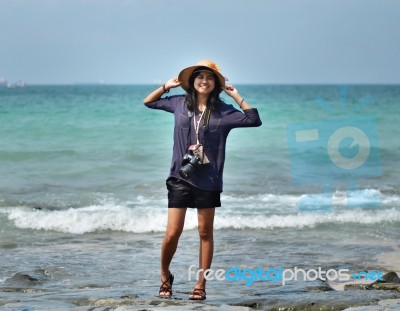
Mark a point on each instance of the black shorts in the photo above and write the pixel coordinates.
(182, 194)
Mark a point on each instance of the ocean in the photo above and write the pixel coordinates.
(83, 199)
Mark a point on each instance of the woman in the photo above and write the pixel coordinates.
(202, 124)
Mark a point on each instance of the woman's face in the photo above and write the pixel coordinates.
(204, 83)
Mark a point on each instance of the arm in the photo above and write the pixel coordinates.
(233, 92)
(156, 94)
(248, 118)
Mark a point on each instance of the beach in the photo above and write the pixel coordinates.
(118, 271)
(83, 201)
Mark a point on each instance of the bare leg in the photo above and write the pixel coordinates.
(206, 232)
(176, 221)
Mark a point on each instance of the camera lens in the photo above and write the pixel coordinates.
(186, 171)
(189, 163)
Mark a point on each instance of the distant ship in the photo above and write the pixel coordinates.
(16, 85)
(5, 83)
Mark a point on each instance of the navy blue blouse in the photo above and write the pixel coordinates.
(222, 120)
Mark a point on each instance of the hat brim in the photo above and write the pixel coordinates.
(185, 74)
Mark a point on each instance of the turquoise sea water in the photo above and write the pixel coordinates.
(82, 180)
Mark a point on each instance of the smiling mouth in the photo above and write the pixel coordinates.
(204, 87)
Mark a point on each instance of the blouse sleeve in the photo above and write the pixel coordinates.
(247, 118)
(168, 103)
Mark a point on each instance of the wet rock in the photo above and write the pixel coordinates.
(313, 307)
(21, 279)
(129, 296)
(383, 305)
(385, 286)
(21, 290)
(8, 245)
(390, 277)
(390, 281)
(355, 286)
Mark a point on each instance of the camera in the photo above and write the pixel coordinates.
(189, 164)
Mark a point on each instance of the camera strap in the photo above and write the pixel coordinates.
(206, 113)
(196, 125)
(206, 120)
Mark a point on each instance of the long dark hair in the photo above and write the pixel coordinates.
(191, 96)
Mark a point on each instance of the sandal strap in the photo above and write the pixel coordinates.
(165, 288)
(199, 292)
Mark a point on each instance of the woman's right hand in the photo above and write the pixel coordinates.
(156, 94)
(171, 83)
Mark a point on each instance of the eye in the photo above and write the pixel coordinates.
(209, 76)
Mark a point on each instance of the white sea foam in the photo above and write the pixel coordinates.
(301, 220)
(150, 215)
(90, 219)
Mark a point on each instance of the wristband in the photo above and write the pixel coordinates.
(165, 89)
(241, 102)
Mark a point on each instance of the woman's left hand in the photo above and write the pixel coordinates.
(230, 90)
(233, 92)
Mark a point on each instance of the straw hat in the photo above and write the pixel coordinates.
(185, 74)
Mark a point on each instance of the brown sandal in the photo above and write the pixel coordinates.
(166, 288)
(197, 294)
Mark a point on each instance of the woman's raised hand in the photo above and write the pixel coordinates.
(171, 83)
(234, 93)
(230, 90)
(156, 94)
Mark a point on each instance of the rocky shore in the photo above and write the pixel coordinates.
(357, 298)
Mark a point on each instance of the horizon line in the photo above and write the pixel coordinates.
(243, 84)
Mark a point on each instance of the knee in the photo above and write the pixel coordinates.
(206, 233)
(172, 236)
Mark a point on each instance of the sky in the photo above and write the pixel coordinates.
(150, 41)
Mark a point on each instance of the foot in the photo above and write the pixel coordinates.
(166, 287)
(197, 294)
